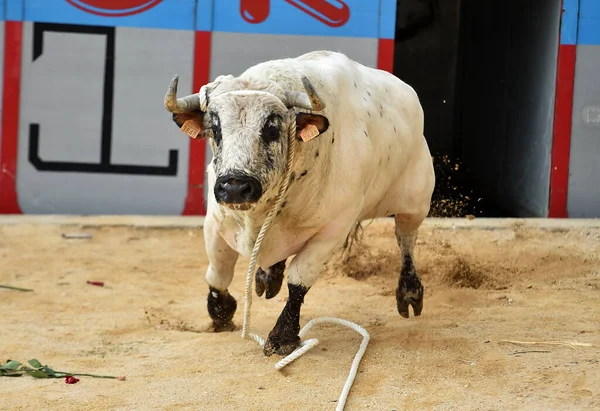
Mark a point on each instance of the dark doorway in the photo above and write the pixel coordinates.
(485, 73)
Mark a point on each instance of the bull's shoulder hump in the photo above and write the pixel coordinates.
(314, 63)
(334, 72)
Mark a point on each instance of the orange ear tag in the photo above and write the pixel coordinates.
(309, 132)
(191, 128)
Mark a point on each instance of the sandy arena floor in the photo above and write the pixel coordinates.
(483, 285)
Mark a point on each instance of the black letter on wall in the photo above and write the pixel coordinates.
(104, 166)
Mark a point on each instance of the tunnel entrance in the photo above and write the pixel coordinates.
(485, 73)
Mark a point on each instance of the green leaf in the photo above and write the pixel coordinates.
(10, 365)
(7, 373)
(37, 374)
(35, 363)
(48, 370)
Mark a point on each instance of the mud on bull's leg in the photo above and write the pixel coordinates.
(409, 290)
(221, 308)
(270, 280)
(302, 274)
(220, 304)
(284, 339)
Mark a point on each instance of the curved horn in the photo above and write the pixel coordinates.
(180, 105)
(309, 100)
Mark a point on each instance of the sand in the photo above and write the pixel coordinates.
(149, 322)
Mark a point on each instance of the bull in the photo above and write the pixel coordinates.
(361, 154)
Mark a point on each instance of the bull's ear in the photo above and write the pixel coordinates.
(309, 126)
(191, 123)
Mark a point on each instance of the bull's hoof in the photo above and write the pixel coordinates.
(281, 345)
(221, 307)
(270, 280)
(409, 292)
(219, 328)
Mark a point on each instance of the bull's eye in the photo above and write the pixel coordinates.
(216, 128)
(270, 131)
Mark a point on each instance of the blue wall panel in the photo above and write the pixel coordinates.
(387, 19)
(589, 33)
(589, 22)
(589, 7)
(340, 18)
(13, 10)
(161, 14)
(569, 21)
(348, 18)
(204, 15)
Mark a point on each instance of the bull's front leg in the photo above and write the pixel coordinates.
(269, 280)
(302, 274)
(222, 258)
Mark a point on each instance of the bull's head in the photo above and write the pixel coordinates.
(249, 131)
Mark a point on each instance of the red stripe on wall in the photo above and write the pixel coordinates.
(194, 202)
(561, 140)
(10, 118)
(385, 55)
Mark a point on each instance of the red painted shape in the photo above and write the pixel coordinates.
(113, 8)
(13, 33)
(385, 55)
(324, 10)
(561, 139)
(255, 11)
(194, 202)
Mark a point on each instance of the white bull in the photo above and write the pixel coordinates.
(369, 159)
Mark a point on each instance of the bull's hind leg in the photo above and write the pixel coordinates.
(270, 280)
(220, 304)
(410, 289)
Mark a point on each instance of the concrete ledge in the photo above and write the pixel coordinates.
(198, 222)
(105, 221)
(555, 224)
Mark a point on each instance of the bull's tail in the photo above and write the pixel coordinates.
(355, 236)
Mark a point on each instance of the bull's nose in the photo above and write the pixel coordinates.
(237, 190)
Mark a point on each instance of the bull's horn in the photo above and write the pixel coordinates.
(180, 105)
(309, 100)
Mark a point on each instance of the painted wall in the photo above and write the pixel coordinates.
(84, 130)
(1, 64)
(575, 174)
(584, 163)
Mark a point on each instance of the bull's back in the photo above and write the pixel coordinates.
(381, 122)
(377, 116)
(341, 81)
(388, 106)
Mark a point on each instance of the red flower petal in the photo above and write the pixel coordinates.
(69, 379)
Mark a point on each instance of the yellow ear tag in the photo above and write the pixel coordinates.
(191, 128)
(309, 132)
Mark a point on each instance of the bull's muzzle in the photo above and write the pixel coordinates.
(237, 189)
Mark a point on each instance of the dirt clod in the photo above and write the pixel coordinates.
(464, 274)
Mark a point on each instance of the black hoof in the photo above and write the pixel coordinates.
(281, 345)
(219, 328)
(221, 307)
(409, 292)
(269, 281)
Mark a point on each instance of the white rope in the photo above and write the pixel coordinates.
(270, 217)
(308, 344)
